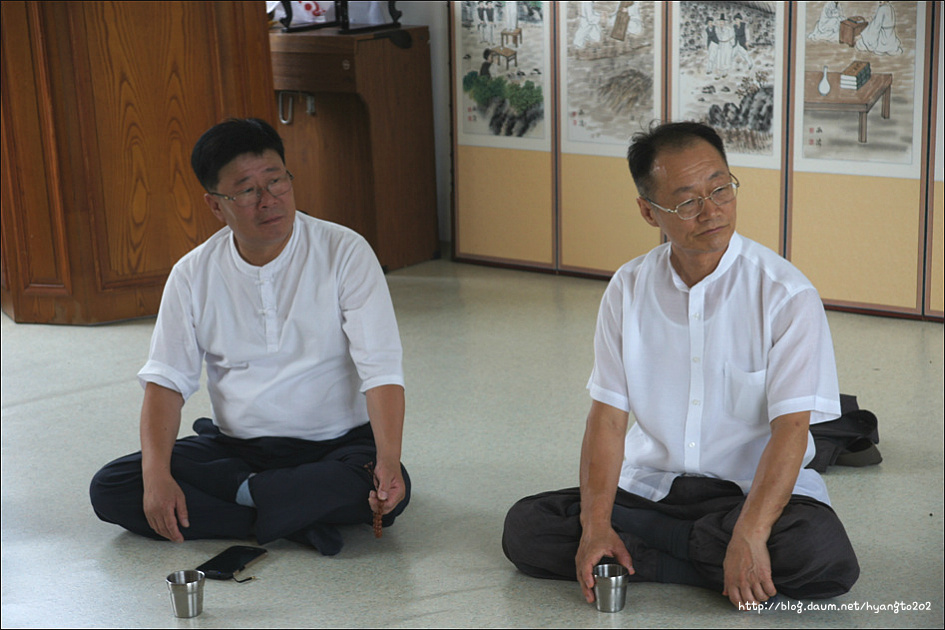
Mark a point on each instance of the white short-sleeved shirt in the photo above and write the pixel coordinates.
(705, 369)
(291, 346)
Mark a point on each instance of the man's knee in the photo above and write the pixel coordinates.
(100, 496)
(541, 535)
(514, 531)
(811, 553)
(518, 540)
(116, 493)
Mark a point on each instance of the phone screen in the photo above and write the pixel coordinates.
(232, 560)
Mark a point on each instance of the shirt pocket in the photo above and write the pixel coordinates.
(745, 396)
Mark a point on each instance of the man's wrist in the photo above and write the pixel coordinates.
(748, 528)
(387, 460)
(156, 472)
(595, 519)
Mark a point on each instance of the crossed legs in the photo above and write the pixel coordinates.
(684, 537)
(302, 489)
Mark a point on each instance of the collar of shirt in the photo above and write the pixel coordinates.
(273, 266)
(728, 259)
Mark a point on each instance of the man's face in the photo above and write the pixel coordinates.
(682, 174)
(261, 230)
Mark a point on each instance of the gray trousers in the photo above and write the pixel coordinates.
(811, 556)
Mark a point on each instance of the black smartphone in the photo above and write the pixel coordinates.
(227, 563)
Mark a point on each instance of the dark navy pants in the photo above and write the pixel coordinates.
(811, 556)
(298, 484)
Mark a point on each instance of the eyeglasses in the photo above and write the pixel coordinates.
(251, 196)
(691, 208)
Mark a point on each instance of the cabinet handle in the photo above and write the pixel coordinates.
(285, 119)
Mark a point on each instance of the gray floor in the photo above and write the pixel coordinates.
(496, 363)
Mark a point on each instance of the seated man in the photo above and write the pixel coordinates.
(721, 350)
(295, 322)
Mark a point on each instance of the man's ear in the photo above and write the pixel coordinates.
(214, 205)
(647, 212)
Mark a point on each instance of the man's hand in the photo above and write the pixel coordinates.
(595, 545)
(389, 488)
(747, 563)
(747, 569)
(601, 457)
(164, 504)
(385, 406)
(165, 507)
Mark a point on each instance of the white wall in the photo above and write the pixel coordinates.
(435, 16)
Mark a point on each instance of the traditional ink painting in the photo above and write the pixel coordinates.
(939, 175)
(727, 72)
(503, 73)
(610, 63)
(860, 69)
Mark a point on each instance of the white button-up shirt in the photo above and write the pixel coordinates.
(291, 346)
(704, 370)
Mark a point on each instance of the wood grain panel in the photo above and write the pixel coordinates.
(242, 73)
(365, 157)
(148, 108)
(102, 103)
(34, 206)
(404, 171)
(320, 151)
(332, 73)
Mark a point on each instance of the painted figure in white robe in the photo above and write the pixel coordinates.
(828, 26)
(726, 33)
(510, 16)
(880, 36)
(635, 25)
(589, 30)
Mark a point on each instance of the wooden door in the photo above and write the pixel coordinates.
(102, 103)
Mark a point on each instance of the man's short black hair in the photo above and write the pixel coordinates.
(646, 145)
(220, 144)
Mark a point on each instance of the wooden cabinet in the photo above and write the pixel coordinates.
(359, 134)
(101, 105)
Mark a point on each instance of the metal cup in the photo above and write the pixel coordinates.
(610, 587)
(186, 592)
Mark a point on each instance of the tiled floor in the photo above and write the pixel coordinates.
(496, 363)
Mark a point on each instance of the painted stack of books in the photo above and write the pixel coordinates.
(855, 76)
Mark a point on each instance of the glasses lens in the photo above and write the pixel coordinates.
(246, 198)
(281, 186)
(689, 209)
(250, 197)
(723, 194)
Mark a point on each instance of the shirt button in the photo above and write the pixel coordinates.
(695, 359)
(692, 445)
(695, 403)
(696, 315)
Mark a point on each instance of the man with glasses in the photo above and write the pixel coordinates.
(294, 321)
(720, 349)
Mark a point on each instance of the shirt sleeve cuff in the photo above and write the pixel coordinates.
(165, 376)
(608, 397)
(821, 409)
(378, 381)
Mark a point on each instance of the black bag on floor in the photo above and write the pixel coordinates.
(850, 440)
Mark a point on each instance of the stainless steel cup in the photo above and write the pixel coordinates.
(610, 587)
(186, 592)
